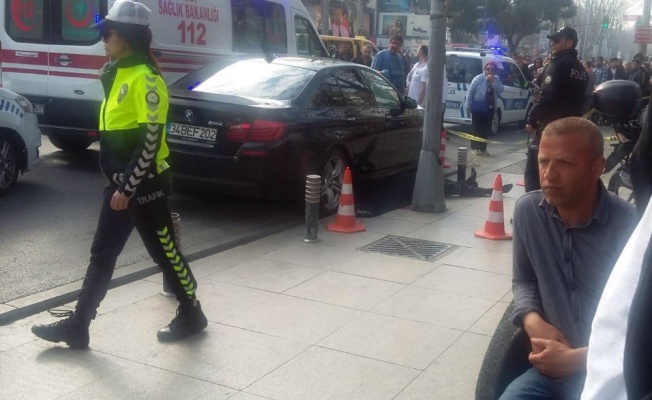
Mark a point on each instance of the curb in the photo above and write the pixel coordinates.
(38, 302)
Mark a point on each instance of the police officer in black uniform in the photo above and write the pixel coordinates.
(563, 83)
(132, 157)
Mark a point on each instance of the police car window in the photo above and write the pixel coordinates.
(504, 72)
(384, 93)
(308, 43)
(72, 20)
(462, 69)
(328, 95)
(517, 76)
(354, 90)
(258, 26)
(25, 20)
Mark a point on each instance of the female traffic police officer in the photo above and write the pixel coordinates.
(132, 157)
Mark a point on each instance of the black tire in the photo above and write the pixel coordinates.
(67, 143)
(620, 188)
(495, 122)
(9, 167)
(331, 170)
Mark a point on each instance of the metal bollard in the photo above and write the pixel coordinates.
(313, 196)
(462, 153)
(176, 224)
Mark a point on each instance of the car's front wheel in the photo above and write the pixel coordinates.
(495, 122)
(8, 165)
(69, 143)
(332, 178)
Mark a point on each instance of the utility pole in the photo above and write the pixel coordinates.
(428, 194)
(642, 47)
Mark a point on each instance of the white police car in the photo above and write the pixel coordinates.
(20, 138)
(513, 104)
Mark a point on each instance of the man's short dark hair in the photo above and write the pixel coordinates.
(397, 38)
(577, 126)
(424, 49)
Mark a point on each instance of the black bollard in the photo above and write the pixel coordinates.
(461, 163)
(176, 224)
(313, 197)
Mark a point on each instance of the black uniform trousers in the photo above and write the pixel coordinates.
(531, 174)
(149, 213)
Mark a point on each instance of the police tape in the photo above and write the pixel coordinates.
(468, 136)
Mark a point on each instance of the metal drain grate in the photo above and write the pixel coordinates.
(418, 249)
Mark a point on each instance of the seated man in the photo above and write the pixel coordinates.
(567, 237)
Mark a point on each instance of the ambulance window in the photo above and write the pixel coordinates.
(24, 20)
(72, 25)
(308, 43)
(259, 27)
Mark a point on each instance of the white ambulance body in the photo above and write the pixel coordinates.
(49, 54)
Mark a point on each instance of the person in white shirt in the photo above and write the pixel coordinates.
(417, 79)
(619, 361)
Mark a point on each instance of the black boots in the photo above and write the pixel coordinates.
(189, 320)
(72, 330)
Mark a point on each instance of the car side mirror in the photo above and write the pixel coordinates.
(410, 103)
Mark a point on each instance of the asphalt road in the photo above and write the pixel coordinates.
(48, 221)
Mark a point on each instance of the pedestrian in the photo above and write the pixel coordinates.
(615, 71)
(418, 77)
(588, 95)
(600, 70)
(132, 157)
(619, 364)
(391, 64)
(534, 68)
(627, 66)
(637, 74)
(563, 86)
(364, 56)
(343, 52)
(567, 238)
(481, 100)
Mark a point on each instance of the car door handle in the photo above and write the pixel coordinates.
(350, 119)
(388, 116)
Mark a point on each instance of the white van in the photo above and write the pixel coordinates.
(513, 104)
(49, 54)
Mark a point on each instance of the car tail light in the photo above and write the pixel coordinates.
(260, 131)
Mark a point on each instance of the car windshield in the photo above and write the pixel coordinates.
(257, 80)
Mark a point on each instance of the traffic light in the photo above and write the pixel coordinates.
(605, 22)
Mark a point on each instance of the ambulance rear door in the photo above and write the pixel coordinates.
(24, 53)
(75, 57)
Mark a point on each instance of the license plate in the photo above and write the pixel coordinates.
(453, 105)
(191, 133)
(39, 109)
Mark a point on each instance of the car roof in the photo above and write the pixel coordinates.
(479, 55)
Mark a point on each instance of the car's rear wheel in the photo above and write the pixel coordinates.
(66, 143)
(495, 122)
(332, 178)
(8, 165)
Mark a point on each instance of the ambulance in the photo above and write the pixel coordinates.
(514, 104)
(50, 55)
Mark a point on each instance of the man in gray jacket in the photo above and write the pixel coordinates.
(567, 237)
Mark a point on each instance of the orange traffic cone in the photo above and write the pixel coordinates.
(521, 183)
(442, 149)
(345, 221)
(494, 228)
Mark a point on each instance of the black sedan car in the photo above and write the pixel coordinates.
(257, 127)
